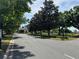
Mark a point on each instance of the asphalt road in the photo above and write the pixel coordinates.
(29, 47)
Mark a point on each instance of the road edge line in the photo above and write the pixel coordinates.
(69, 56)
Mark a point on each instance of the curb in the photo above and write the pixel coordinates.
(8, 49)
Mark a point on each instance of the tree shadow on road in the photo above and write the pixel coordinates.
(43, 37)
(20, 54)
(1, 54)
(17, 37)
(17, 52)
(15, 46)
(76, 36)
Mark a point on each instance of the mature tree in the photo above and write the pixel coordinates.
(47, 18)
(36, 23)
(75, 16)
(50, 16)
(11, 12)
(65, 21)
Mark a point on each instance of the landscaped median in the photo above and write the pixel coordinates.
(65, 37)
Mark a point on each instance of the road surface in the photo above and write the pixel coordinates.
(29, 47)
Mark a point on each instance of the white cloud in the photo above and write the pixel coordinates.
(66, 4)
(34, 7)
(63, 5)
(58, 2)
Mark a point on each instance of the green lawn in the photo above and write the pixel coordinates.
(67, 36)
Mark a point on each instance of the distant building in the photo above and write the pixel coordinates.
(23, 29)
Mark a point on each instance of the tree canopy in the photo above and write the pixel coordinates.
(50, 18)
(11, 12)
(46, 19)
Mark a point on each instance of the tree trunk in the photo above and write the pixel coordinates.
(0, 43)
(48, 33)
(32, 32)
(40, 33)
(35, 32)
(63, 33)
(59, 33)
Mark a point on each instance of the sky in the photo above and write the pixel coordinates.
(63, 5)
